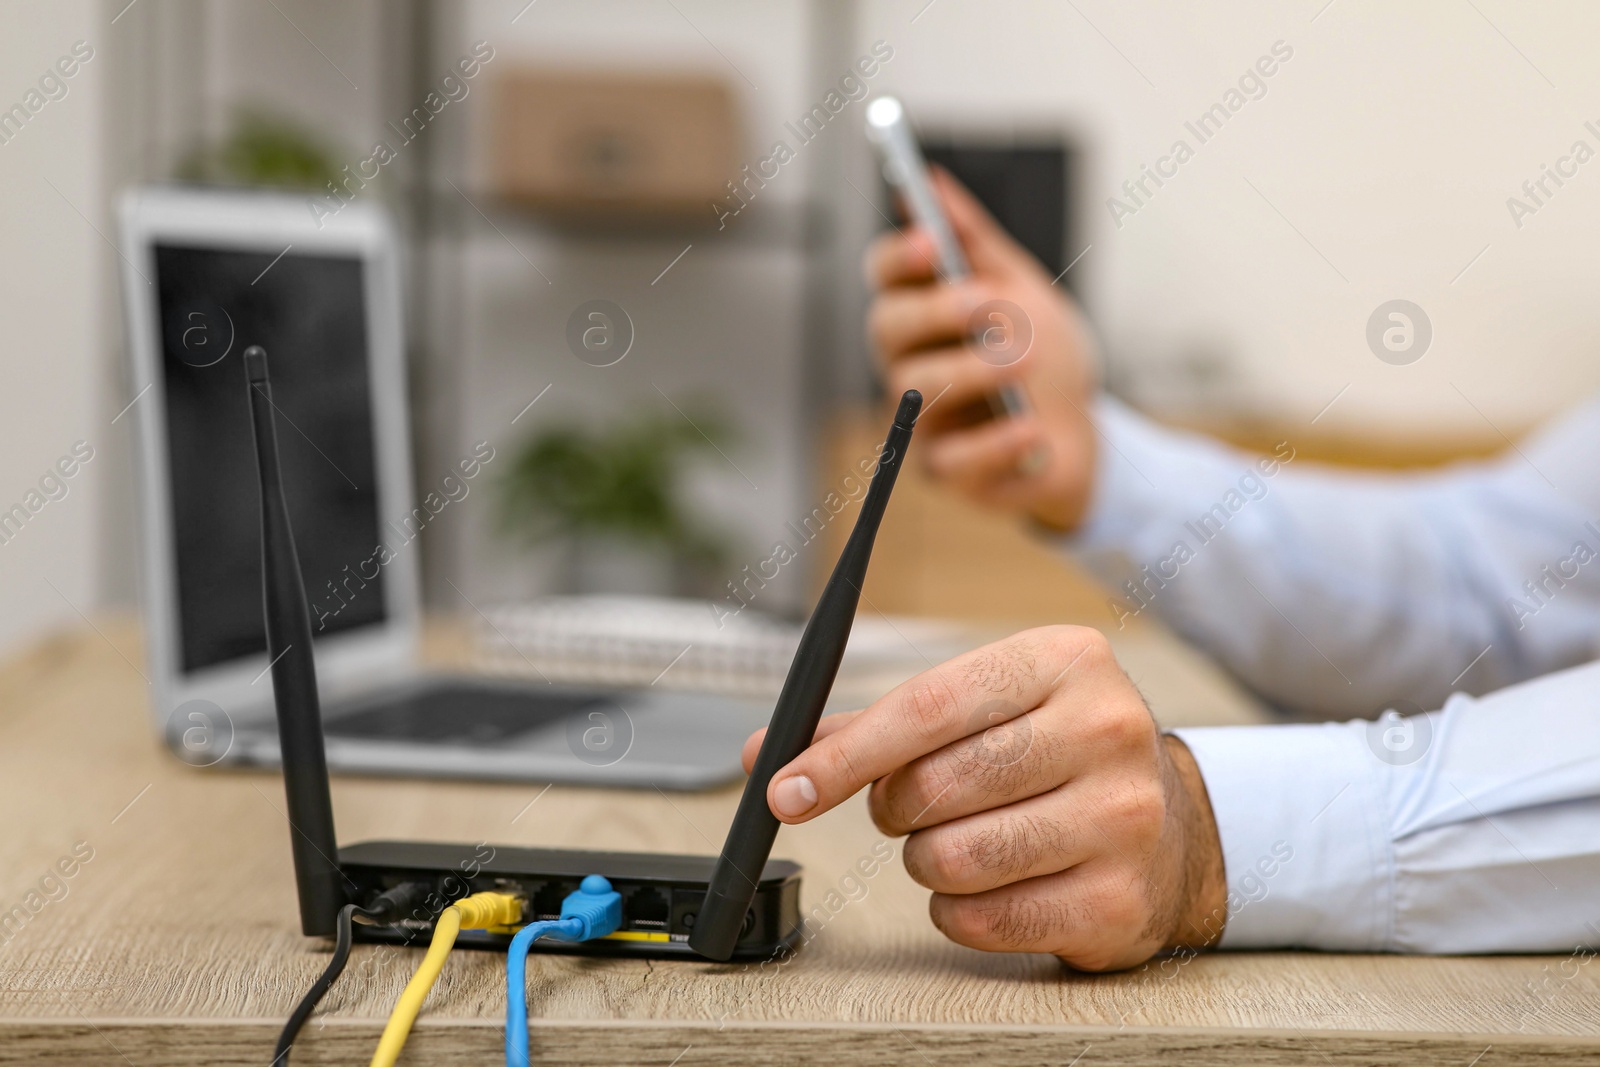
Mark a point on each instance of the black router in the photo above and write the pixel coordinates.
(742, 905)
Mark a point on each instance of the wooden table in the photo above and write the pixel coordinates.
(176, 943)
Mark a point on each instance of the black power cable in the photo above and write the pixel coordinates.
(308, 1003)
(389, 907)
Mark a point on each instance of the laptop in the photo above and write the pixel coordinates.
(207, 274)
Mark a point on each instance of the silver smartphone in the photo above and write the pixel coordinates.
(906, 171)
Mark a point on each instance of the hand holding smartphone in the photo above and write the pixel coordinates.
(906, 171)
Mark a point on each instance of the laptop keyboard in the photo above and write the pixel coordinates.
(456, 713)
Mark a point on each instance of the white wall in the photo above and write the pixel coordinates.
(1391, 140)
(51, 263)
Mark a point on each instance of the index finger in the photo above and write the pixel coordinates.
(933, 709)
(829, 724)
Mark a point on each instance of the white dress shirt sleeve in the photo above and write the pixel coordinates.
(1341, 594)
(1475, 828)
(1471, 829)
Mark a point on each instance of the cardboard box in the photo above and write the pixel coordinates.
(588, 142)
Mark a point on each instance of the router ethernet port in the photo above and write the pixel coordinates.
(546, 903)
(646, 909)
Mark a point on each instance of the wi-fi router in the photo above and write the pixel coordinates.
(740, 905)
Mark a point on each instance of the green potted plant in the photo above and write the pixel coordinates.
(612, 501)
(264, 150)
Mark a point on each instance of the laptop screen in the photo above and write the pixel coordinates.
(309, 313)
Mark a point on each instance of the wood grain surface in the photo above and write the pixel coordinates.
(177, 942)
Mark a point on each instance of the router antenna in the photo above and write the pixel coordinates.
(294, 678)
(794, 719)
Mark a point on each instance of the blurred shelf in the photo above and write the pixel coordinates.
(804, 226)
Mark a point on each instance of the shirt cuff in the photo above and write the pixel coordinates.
(1302, 816)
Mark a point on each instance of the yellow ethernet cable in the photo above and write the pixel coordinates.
(480, 911)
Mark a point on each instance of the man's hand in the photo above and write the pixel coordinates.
(1046, 811)
(921, 331)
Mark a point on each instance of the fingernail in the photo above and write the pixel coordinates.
(795, 796)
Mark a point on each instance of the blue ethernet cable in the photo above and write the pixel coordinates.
(595, 910)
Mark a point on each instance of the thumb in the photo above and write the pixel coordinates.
(989, 248)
